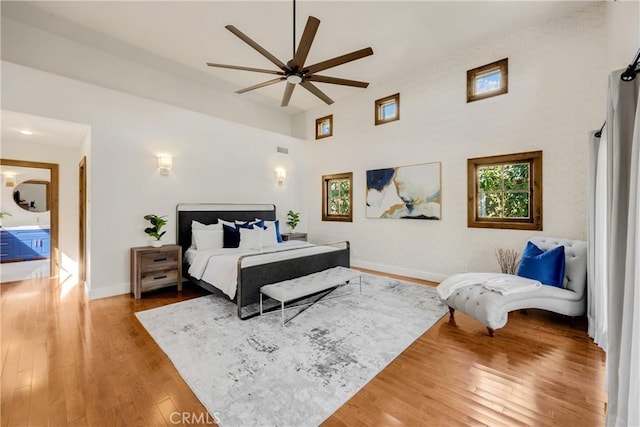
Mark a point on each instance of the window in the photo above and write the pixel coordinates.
(505, 191)
(324, 127)
(488, 80)
(387, 109)
(337, 198)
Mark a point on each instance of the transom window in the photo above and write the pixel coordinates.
(337, 197)
(324, 127)
(387, 109)
(488, 80)
(506, 191)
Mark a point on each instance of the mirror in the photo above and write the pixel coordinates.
(32, 195)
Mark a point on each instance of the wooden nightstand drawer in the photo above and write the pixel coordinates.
(158, 279)
(158, 261)
(153, 268)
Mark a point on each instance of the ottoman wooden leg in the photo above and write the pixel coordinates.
(451, 310)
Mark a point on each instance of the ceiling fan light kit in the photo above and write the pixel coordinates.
(294, 72)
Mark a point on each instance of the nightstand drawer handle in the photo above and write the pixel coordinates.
(159, 277)
(160, 259)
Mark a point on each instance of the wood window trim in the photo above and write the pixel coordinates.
(502, 65)
(319, 123)
(534, 158)
(325, 197)
(378, 109)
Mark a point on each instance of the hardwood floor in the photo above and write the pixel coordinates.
(69, 361)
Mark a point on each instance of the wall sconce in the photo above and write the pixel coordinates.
(281, 175)
(165, 163)
(9, 179)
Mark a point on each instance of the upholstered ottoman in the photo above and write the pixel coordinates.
(470, 294)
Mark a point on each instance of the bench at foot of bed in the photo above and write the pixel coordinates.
(300, 287)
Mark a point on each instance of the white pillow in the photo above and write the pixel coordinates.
(250, 238)
(208, 239)
(269, 237)
(195, 225)
(229, 223)
(271, 227)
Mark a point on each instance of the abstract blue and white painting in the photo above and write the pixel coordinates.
(412, 192)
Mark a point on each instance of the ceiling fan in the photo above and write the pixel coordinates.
(294, 71)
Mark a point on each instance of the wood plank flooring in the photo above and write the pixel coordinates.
(67, 361)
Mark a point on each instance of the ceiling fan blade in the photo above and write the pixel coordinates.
(305, 42)
(287, 94)
(337, 81)
(257, 47)
(317, 92)
(338, 60)
(238, 67)
(259, 85)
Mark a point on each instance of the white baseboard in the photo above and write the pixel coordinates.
(408, 272)
(110, 291)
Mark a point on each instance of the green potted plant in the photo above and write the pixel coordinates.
(157, 223)
(293, 218)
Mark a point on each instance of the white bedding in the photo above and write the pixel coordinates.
(219, 267)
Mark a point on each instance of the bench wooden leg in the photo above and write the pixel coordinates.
(451, 310)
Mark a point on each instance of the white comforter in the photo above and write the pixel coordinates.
(504, 284)
(219, 267)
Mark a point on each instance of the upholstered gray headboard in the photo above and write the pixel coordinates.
(209, 213)
(575, 255)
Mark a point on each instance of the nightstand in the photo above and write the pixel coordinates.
(155, 268)
(294, 236)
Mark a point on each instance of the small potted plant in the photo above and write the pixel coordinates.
(293, 218)
(157, 223)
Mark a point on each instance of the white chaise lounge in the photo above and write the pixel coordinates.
(492, 308)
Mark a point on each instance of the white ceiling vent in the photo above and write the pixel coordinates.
(283, 150)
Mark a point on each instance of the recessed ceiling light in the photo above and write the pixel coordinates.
(26, 132)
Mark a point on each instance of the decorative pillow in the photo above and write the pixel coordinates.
(269, 237)
(275, 226)
(250, 238)
(230, 236)
(546, 267)
(243, 224)
(229, 223)
(195, 225)
(208, 239)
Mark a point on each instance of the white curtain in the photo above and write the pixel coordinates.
(623, 185)
(598, 273)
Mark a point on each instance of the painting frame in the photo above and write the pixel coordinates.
(405, 192)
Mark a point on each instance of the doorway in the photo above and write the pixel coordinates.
(33, 210)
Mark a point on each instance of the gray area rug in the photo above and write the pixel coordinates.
(256, 372)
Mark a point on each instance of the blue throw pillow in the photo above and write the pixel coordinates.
(246, 224)
(546, 267)
(278, 235)
(230, 237)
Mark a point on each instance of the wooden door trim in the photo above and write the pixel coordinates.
(82, 220)
(54, 176)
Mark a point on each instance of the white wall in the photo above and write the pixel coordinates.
(213, 161)
(557, 91)
(35, 48)
(623, 32)
(67, 159)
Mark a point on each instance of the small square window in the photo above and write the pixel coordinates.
(324, 127)
(488, 80)
(337, 197)
(387, 109)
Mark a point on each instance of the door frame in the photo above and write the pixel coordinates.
(54, 176)
(82, 220)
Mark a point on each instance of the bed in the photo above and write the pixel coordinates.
(253, 269)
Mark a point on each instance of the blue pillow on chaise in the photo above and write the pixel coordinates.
(544, 266)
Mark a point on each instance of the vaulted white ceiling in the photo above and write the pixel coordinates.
(181, 36)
